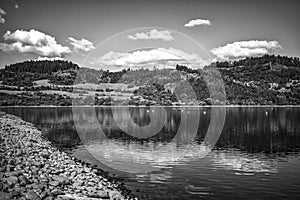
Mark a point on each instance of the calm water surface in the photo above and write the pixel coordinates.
(256, 155)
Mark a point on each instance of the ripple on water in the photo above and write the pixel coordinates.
(244, 164)
(198, 190)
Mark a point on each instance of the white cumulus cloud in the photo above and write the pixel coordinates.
(2, 19)
(40, 58)
(2, 12)
(34, 42)
(159, 57)
(153, 34)
(82, 44)
(198, 22)
(242, 49)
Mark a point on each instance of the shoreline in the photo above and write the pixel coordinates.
(32, 168)
(132, 106)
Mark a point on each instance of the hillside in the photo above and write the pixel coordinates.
(254, 81)
(267, 80)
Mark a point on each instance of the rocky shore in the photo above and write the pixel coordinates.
(31, 168)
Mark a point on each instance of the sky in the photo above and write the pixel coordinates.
(110, 34)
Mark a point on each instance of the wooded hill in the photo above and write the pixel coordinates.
(265, 80)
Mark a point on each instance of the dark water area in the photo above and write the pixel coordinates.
(254, 154)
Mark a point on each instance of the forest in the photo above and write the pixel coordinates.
(266, 80)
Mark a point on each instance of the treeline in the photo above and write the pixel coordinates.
(154, 94)
(266, 59)
(57, 72)
(260, 83)
(25, 73)
(203, 79)
(262, 80)
(41, 67)
(112, 77)
(34, 99)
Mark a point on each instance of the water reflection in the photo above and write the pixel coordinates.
(246, 129)
(244, 164)
(147, 147)
(257, 151)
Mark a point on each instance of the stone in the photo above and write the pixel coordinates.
(12, 180)
(104, 183)
(103, 194)
(32, 169)
(15, 194)
(49, 198)
(89, 189)
(100, 186)
(92, 195)
(87, 170)
(11, 162)
(61, 180)
(14, 173)
(31, 195)
(90, 183)
(19, 152)
(4, 196)
(22, 183)
(56, 192)
(54, 183)
(22, 135)
(115, 195)
(22, 178)
(37, 164)
(64, 197)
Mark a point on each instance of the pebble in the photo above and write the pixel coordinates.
(32, 169)
(31, 195)
(54, 183)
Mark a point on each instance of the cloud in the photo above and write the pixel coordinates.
(198, 22)
(82, 44)
(159, 57)
(154, 34)
(34, 42)
(2, 12)
(40, 58)
(242, 49)
(2, 19)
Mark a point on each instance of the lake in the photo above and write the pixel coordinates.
(183, 153)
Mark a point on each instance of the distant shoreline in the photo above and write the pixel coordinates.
(132, 106)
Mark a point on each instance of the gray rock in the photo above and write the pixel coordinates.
(4, 196)
(12, 180)
(31, 195)
(14, 194)
(37, 164)
(115, 195)
(61, 179)
(49, 198)
(102, 194)
(31, 167)
(43, 194)
(90, 183)
(54, 183)
(92, 195)
(22, 135)
(80, 182)
(14, 173)
(56, 192)
(87, 170)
